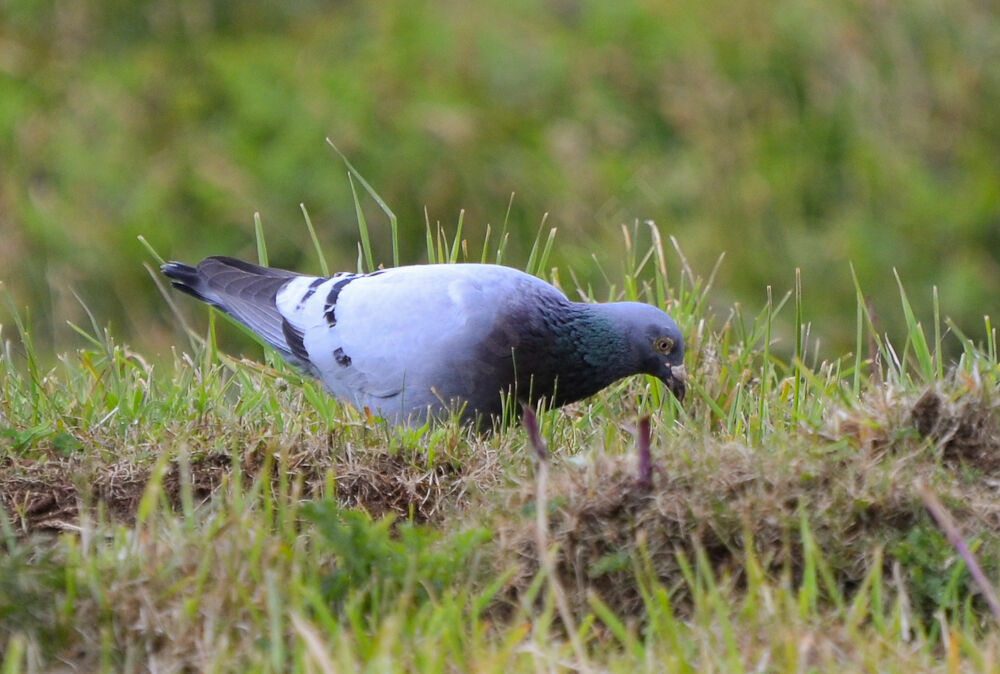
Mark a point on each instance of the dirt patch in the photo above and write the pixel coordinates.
(205, 475)
(50, 495)
(602, 522)
(389, 485)
(39, 500)
(963, 428)
(966, 430)
(612, 537)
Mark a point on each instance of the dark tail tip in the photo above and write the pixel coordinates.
(185, 278)
(177, 270)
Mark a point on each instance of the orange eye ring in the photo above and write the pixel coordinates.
(664, 345)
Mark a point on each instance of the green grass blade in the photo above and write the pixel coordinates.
(915, 335)
(14, 652)
(614, 624)
(453, 257)
(366, 245)
(393, 221)
(149, 248)
(859, 337)
(766, 368)
(258, 229)
(432, 257)
(870, 322)
(486, 244)
(324, 268)
(798, 339)
(536, 257)
(502, 240)
(938, 355)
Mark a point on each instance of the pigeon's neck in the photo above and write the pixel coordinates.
(601, 343)
(597, 320)
(588, 352)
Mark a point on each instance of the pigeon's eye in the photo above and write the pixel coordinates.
(664, 345)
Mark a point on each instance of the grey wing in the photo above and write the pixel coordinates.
(410, 337)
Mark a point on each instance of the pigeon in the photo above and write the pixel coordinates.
(414, 342)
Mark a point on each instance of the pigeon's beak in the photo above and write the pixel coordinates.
(676, 381)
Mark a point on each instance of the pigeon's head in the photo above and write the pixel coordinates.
(656, 344)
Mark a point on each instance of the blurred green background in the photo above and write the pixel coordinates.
(796, 133)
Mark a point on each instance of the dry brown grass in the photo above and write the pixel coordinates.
(50, 494)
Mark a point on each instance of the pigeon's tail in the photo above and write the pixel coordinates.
(245, 291)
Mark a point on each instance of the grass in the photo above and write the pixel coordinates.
(217, 514)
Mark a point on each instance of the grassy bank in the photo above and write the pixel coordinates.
(220, 514)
